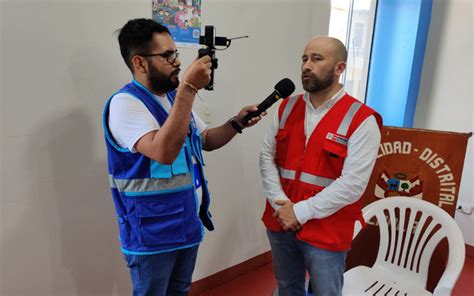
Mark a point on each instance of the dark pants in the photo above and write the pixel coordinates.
(164, 274)
(292, 258)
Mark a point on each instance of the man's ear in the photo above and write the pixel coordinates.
(340, 67)
(139, 64)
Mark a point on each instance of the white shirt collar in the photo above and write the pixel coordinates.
(328, 104)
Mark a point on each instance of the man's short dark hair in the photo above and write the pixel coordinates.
(136, 36)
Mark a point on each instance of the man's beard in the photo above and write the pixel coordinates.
(159, 82)
(316, 84)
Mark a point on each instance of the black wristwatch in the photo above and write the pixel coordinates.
(235, 125)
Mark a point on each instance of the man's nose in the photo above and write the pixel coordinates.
(306, 66)
(177, 62)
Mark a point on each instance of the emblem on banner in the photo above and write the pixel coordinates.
(398, 185)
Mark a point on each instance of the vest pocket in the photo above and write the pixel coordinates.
(281, 146)
(180, 166)
(335, 149)
(166, 171)
(333, 158)
(161, 221)
(160, 171)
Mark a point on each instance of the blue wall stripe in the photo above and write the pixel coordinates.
(398, 50)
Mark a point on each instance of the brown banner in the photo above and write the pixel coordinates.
(415, 163)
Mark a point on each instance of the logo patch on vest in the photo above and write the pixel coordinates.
(337, 138)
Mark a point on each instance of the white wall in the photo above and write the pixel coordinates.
(446, 96)
(59, 63)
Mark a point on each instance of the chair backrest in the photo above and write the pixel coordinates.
(410, 229)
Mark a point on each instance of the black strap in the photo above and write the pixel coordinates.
(235, 125)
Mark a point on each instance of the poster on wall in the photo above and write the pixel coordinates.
(182, 18)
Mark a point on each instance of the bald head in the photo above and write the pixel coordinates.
(323, 62)
(328, 46)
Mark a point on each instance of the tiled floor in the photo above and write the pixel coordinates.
(261, 282)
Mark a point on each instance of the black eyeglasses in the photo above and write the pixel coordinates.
(169, 56)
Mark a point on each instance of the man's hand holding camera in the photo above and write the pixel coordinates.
(198, 74)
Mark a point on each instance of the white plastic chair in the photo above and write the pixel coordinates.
(402, 270)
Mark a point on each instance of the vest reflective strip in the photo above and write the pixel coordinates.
(287, 174)
(307, 178)
(315, 180)
(344, 126)
(147, 184)
(287, 110)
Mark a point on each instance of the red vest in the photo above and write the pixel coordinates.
(305, 171)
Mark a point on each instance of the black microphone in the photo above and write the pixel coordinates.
(283, 89)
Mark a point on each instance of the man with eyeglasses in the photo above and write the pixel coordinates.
(154, 143)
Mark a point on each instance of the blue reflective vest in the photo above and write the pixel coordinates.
(156, 204)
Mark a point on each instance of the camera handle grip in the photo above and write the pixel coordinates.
(211, 53)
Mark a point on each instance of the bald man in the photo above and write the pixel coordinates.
(315, 164)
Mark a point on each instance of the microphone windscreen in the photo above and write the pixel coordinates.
(285, 87)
